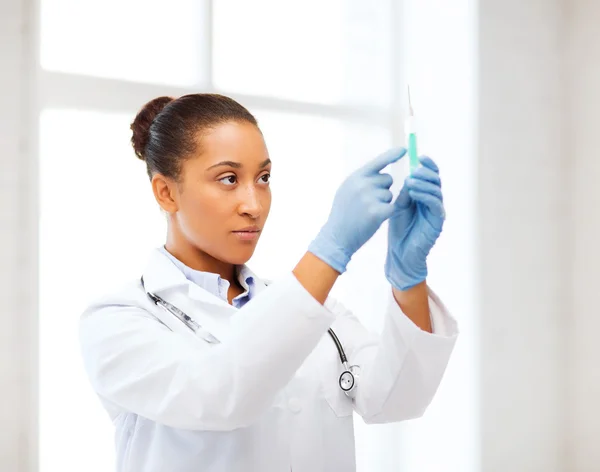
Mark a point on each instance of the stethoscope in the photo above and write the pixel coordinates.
(348, 377)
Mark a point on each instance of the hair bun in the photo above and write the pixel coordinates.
(141, 124)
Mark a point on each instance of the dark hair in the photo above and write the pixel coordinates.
(166, 130)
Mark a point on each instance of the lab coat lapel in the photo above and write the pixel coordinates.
(164, 279)
(206, 309)
(212, 313)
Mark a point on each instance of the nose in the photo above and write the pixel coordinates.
(250, 204)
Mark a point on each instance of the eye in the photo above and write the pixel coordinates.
(265, 178)
(228, 180)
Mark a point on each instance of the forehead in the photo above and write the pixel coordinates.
(236, 141)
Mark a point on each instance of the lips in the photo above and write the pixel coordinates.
(249, 233)
(248, 229)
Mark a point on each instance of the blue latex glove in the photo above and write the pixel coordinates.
(415, 226)
(361, 204)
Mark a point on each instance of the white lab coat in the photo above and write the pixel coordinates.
(267, 398)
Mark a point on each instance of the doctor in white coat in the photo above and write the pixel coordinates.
(203, 367)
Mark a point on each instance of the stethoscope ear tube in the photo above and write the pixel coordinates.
(338, 345)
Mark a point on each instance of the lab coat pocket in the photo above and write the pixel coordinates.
(339, 402)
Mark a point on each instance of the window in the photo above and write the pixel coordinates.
(318, 75)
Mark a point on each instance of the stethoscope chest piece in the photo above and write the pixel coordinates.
(347, 380)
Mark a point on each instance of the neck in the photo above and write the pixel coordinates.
(197, 259)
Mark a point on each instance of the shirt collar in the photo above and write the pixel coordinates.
(209, 281)
(246, 278)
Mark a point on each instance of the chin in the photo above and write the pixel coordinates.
(240, 255)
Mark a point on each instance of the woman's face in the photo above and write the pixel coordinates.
(223, 198)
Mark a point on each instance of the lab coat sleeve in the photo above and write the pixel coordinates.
(402, 367)
(137, 364)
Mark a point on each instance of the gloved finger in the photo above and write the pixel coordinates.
(434, 204)
(383, 195)
(383, 160)
(425, 187)
(383, 180)
(403, 198)
(428, 162)
(388, 211)
(424, 173)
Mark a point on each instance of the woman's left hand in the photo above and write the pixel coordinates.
(415, 226)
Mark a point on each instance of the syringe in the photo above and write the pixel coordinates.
(411, 137)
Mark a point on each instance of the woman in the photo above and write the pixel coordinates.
(249, 379)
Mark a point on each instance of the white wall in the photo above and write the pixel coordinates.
(18, 245)
(540, 224)
(522, 210)
(582, 249)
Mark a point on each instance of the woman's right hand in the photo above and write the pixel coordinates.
(361, 204)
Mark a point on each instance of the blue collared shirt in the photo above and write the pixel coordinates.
(214, 284)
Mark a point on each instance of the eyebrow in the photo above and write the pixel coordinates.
(237, 165)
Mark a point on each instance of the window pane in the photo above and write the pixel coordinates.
(335, 51)
(99, 220)
(136, 40)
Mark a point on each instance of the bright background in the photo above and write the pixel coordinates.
(327, 83)
(506, 96)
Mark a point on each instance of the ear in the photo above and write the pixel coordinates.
(165, 192)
